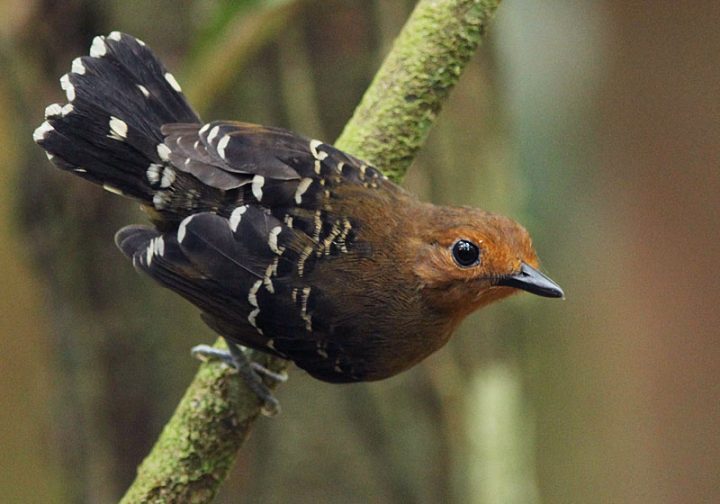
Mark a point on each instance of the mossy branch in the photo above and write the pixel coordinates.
(199, 444)
(395, 114)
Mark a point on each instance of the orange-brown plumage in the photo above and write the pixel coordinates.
(419, 291)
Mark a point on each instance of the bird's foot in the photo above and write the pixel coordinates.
(251, 372)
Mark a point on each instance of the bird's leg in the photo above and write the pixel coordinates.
(230, 358)
(250, 371)
(237, 353)
(207, 352)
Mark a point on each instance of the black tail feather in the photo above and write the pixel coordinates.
(109, 132)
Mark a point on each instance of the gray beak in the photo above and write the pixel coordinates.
(531, 280)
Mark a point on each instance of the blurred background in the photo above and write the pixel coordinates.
(596, 124)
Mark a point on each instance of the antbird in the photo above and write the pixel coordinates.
(286, 244)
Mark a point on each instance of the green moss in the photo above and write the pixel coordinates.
(396, 113)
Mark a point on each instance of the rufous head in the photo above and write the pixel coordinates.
(469, 258)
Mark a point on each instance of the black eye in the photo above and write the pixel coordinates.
(466, 253)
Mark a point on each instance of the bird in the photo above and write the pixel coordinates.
(286, 244)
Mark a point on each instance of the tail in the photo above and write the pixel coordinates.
(109, 132)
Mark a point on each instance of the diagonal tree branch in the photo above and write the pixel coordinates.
(395, 114)
(199, 444)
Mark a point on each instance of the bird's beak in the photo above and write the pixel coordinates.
(531, 280)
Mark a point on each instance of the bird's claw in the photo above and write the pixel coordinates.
(251, 372)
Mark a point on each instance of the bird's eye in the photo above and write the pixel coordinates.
(466, 253)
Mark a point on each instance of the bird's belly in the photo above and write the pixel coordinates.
(376, 356)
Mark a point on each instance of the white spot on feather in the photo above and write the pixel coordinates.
(163, 151)
(53, 110)
(267, 278)
(303, 308)
(158, 246)
(317, 221)
(328, 241)
(115, 35)
(168, 177)
(161, 199)
(342, 239)
(213, 133)
(78, 67)
(318, 155)
(273, 240)
(222, 144)
(236, 217)
(67, 87)
(153, 173)
(258, 182)
(67, 108)
(314, 144)
(304, 255)
(204, 129)
(182, 228)
(42, 130)
(303, 298)
(301, 188)
(118, 129)
(170, 78)
(98, 49)
(252, 295)
(251, 318)
(143, 90)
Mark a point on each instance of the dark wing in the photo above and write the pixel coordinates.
(245, 213)
(252, 264)
(261, 165)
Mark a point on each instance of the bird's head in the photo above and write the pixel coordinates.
(469, 258)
